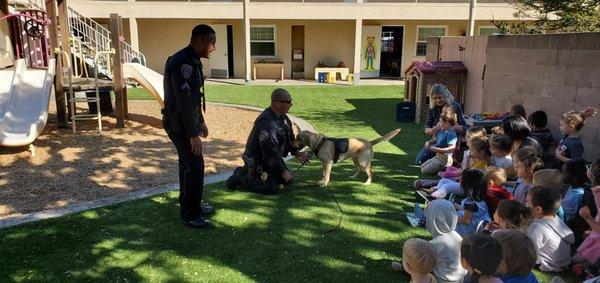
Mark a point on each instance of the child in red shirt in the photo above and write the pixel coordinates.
(496, 192)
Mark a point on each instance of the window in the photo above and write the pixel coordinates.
(423, 33)
(387, 41)
(262, 41)
(488, 30)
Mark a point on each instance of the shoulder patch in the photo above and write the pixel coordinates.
(263, 136)
(186, 71)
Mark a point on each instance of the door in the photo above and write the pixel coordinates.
(391, 51)
(298, 52)
(219, 61)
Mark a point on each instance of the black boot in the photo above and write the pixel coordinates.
(236, 179)
(198, 223)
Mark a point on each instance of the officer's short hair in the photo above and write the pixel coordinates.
(203, 32)
(280, 94)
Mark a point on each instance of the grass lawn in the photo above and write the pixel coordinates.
(255, 238)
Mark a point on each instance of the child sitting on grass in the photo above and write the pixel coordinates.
(551, 236)
(472, 209)
(480, 256)
(574, 175)
(480, 157)
(501, 147)
(453, 172)
(510, 214)
(441, 223)
(419, 258)
(539, 130)
(526, 162)
(496, 192)
(442, 146)
(550, 178)
(518, 257)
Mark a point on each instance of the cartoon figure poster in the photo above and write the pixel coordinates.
(370, 52)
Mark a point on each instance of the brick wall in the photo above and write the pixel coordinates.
(555, 73)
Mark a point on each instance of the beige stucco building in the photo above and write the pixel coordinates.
(373, 39)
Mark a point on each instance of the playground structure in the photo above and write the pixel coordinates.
(53, 45)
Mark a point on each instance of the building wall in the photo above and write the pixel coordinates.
(160, 38)
(555, 73)
(325, 40)
(329, 41)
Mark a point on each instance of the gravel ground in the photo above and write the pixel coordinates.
(72, 168)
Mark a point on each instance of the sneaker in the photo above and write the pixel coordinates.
(412, 219)
(235, 180)
(198, 223)
(425, 196)
(423, 183)
(419, 213)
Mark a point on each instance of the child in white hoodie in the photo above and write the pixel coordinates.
(550, 235)
(441, 222)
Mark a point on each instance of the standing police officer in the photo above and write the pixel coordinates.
(270, 140)
(184, 123)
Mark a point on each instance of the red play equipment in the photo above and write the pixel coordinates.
(29, 37)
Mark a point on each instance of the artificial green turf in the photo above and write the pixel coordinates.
(256, 238)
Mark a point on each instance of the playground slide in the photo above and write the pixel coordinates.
(149, 79)
(24, 99)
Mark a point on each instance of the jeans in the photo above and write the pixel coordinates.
(424, 155)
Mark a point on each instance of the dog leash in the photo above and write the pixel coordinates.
(339, 224)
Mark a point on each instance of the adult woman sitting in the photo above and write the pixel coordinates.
(440, 97)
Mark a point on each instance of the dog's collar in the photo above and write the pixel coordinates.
(322, 140)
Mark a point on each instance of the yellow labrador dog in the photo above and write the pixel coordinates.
(330, 150)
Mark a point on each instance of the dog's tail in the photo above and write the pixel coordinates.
(386, 137)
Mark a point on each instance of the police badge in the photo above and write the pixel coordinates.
(264, 176)
(264, 135)
(186, 71)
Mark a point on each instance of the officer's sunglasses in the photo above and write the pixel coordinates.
(286, 102)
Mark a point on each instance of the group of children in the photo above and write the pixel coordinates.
(509, 206)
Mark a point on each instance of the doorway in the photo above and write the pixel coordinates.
(391, 51)
(298, 52)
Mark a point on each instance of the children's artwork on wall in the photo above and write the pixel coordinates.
(370, 52)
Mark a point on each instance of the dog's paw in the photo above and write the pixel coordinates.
(367, 183)
(323, 185)
(352, 177)
(320, 182)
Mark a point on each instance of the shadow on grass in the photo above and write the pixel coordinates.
(261, 238)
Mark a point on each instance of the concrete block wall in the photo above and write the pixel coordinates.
(554, 72)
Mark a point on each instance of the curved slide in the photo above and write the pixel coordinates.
(149, 79)
(24, 99)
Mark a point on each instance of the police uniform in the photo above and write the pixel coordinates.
(182, 117)
(268, 143)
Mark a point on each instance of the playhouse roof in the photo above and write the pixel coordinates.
(432, 67)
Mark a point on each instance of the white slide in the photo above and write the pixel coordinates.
(149, 79)
(24, 98)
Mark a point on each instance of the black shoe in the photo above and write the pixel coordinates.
(206, 210)
(198, 223)
(235, 180)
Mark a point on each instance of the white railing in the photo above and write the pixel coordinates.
(97, 37)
